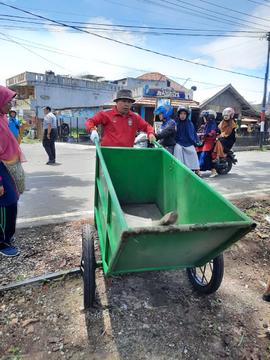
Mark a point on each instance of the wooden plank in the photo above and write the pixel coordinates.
(36, 279)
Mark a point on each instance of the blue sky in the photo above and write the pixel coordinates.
(38, 50)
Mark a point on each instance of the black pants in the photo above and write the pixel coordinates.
(49, 144)
(8, 216)
(169, 148)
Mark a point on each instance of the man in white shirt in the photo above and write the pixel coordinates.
(49, 134)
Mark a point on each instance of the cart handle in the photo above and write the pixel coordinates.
(154, 142)
(157, 144)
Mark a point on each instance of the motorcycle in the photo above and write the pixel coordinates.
(223, 165)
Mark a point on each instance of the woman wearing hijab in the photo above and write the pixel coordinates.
(227, 127)
(207, 134)
(11, 176)
(186, 138)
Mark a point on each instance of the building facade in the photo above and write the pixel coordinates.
(230, 97)
(153, 89)
(35, 90)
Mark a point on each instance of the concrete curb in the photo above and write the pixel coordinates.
(250, 148)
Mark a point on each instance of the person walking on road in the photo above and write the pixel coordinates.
(49, 134)
(120, 124)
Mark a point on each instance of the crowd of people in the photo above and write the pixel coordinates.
(120, 127)
(198, 151)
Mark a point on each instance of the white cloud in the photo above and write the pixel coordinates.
(238, 52)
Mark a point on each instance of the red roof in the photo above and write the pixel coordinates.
(156, 76)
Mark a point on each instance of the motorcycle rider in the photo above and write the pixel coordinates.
(166, 133)
(227, 127)
(207, 134)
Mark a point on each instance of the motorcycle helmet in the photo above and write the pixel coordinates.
(12, 111)
(166, 110)
(228, 111)
(183, 109)
(208, 114)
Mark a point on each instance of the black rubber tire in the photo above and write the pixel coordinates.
(88, 265)
(210, 286)
(227, 169)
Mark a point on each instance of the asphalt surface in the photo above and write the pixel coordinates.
(65, 191)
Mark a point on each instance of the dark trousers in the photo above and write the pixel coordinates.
(8, 216)
(49, 144)
(170, 149)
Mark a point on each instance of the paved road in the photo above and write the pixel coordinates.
(65, 191)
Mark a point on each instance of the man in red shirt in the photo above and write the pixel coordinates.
(120, 124)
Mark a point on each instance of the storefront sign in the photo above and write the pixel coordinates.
(147, 91)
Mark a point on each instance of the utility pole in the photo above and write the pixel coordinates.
(262, 124)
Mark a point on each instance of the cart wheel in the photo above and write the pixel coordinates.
(207, 279)
(88, 265)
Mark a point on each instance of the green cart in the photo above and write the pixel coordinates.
(133, 187)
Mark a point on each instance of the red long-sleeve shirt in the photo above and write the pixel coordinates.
(118, 130)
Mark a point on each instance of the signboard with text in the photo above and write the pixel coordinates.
(156, 92)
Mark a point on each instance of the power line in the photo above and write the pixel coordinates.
(168, 7)
(226, 21)
(218, 13)
(236, 11)
(258, 3)
(134, 46)
(82, 15)
(130, 26)
(250, 34)
(143, 32)
(196, 12)
(61, 52)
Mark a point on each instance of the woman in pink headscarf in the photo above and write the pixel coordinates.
(11, 176)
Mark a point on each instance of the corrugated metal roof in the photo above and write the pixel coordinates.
(151, 101)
